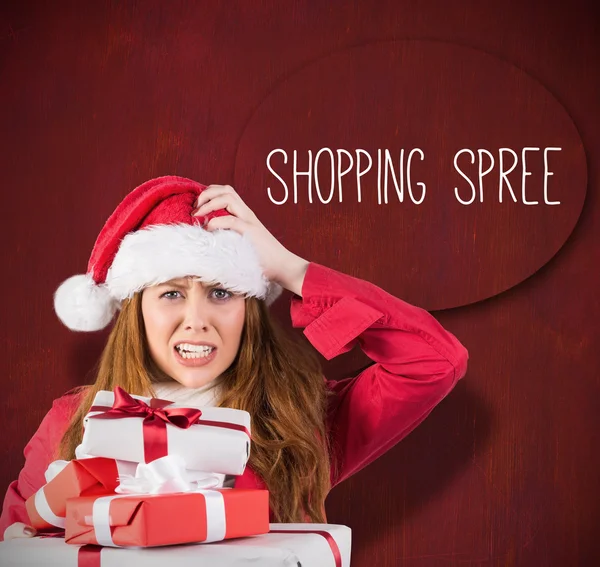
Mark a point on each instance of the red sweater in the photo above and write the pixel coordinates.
(416, 364)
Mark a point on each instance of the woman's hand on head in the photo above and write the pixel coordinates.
(17, 530)
(278, 263)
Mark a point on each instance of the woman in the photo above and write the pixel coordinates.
(193, 271)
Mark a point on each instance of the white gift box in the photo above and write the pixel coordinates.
(321, 545)
(218, 448)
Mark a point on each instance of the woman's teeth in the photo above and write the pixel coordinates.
(193, 351)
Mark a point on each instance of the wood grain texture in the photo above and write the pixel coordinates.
(101, 96)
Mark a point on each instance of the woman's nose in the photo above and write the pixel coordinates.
(197, 315)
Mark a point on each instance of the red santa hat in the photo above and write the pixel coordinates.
(151, 238)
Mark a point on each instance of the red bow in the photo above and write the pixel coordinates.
(156, 416)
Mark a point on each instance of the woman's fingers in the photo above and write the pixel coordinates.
(213, 191)
(226, 202)
(229, 222)
(216, 197)
(17, 530)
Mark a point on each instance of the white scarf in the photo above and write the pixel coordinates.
(175, 392)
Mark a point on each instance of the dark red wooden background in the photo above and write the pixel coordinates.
(97, 97)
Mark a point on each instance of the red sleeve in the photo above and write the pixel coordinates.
(39, 453)
(416, 363)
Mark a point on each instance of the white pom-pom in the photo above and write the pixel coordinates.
(82, 305)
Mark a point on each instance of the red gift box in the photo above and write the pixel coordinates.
(87, 477)
(144, 520)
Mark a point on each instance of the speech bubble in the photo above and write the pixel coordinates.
(477, 173)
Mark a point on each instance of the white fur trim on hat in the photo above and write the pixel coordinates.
(161, 253)
(155, 255)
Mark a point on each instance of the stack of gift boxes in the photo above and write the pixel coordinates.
(149, 473)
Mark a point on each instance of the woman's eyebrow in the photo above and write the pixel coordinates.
(180, 282)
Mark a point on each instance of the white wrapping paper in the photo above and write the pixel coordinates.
(268, 550)
(203, 447)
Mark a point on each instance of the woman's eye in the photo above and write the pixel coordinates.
(171, 295)
(221, 294)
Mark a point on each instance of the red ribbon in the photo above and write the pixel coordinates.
(89, 556)
(337, 555)
(156, 416)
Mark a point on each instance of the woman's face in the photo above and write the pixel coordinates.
(194, 330)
